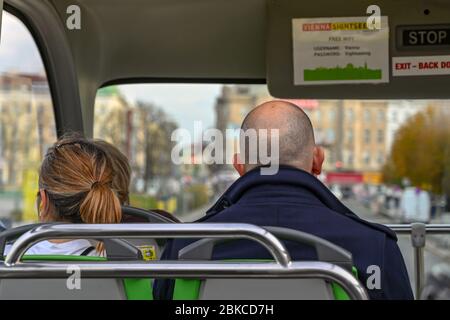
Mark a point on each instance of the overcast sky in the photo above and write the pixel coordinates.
(185, 103)
(18, 52)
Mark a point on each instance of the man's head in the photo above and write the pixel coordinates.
(296, 145)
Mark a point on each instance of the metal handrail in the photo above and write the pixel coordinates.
(418, 232)
(154, 230)
(283, 267)
(177, 269)
(430, 228)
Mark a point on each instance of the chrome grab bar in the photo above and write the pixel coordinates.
(154, 230)
(282, 268)
(177, 269)
(418, 232)
(430, 228)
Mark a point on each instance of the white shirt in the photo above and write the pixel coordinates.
(72, 247)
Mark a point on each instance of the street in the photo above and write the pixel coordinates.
(432, 255)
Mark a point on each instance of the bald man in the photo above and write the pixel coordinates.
(294, 198)
(295, 139)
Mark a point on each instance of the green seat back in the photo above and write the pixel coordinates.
(189, 289)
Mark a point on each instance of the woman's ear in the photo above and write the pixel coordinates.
(43, 205)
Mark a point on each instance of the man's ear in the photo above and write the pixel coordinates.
(318, 158)
(238, 165)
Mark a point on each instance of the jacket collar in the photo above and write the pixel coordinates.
(288, 175)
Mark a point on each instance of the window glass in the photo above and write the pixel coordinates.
(350, 136)
(332, 114)
(381, 115)
(350, 114)
(366, 158)
(27, 125)
(367, 135)
(380, 136)
(380, 158)
(367, 115)
(140, 119)
(394, 116)
(385, 157)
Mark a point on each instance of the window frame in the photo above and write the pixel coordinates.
(63, 91)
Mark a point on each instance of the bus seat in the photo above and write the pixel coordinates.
(137, 215)
(151, 248)
(89, 289)
(264, 289)
(117, 249)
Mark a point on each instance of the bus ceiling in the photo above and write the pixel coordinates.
(304, 49)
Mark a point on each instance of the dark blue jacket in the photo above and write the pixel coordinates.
(295, 199)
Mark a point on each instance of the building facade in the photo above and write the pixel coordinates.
(27, 125)
(352, 132)
(27, 129)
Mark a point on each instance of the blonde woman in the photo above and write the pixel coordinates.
(76, 186)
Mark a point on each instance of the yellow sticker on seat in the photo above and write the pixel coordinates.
(148, 252)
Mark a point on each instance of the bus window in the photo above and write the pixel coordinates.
(27, 125)
(379, 154)
(366, 145)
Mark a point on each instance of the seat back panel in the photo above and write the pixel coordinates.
(89, 289)
(265, 289)
(57, 289)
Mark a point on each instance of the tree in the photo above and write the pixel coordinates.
(111, 117)
(421, 151)
(154, 142)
